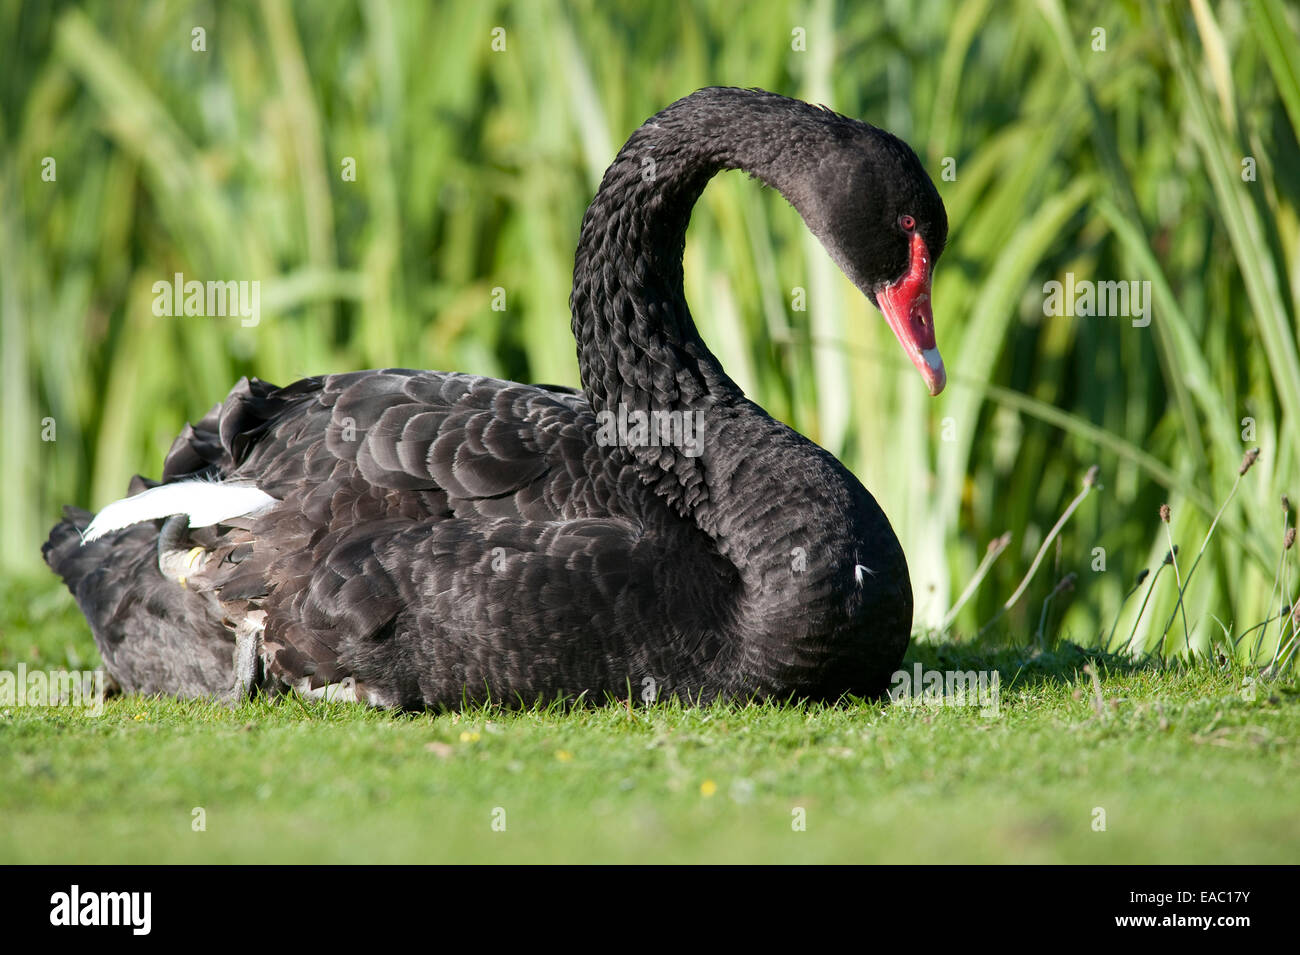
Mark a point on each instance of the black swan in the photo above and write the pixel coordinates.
(414, 538)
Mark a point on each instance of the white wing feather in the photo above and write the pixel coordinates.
(206, 503)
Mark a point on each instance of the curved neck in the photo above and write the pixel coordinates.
(651, 379)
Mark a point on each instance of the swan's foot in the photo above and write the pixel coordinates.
(248, 646)
(176, 561)
(345, 691)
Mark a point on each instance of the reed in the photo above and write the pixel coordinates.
(472, 169)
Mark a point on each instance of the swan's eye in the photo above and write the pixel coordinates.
(906, 223)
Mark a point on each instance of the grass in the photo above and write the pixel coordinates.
(1187, 764)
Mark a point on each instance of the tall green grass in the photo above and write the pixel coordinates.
(473, 169)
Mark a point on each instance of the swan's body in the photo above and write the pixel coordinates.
(429, 538)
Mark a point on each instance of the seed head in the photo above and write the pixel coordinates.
(1090, 479)
(1142, 575)
(1169, 557)
(1164, 513)
(1286, 505)
(1248, 460)
(1289, 539)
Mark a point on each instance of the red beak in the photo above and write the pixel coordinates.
(906, 304)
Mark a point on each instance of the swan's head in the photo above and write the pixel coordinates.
(880, 217)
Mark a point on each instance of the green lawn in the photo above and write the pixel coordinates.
(1185, 766)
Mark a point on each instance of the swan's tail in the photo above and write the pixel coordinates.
(156, 635)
